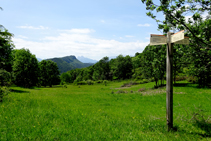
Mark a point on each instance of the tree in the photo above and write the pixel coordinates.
(6, 47)
(49, 73)
(102, 69)
(25, 68)
(122, 67)
(65, 77)
(198, 28)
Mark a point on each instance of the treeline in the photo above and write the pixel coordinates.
(150, 65)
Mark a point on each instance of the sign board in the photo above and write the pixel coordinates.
(177, 36)
(185, 41)
(157, 39)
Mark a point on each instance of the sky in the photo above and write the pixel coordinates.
(89, 28)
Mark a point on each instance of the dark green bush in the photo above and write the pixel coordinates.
(105, 82)
(192, 79)
(99, 81)
(3, 92)
(82, 83)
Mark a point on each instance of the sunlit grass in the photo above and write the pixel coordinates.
(98, 112)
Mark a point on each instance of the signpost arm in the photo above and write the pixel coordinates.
(169, 83)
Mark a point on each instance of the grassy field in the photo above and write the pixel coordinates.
(98, 112)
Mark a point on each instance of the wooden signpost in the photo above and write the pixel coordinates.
(170, 40)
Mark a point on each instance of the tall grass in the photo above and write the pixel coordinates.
(99, 112)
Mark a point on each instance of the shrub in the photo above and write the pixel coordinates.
(99, 81)
(3, 92)
(145, 81)
(105, 82)
(5, 78)
(82, 83)
(138, 78)
(180, 78)
(192, 79)
(89, 82)
(151, 80)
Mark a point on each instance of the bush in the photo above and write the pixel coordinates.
(99, 81)
(82, 83)
(151, 80)
(180, 78)
(3, 92)
(192, 79)
(145, 80)
(89, 82)
(105, 82)
(138, 78)
(5, 78)
(63, 84)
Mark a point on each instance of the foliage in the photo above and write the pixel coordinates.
(5, 78)
(65, 77)
(154, 63)
(6, 47)
(122, 67)
(3, 92)
(198, 28)
(90, 82)
(25, 68)
(49, 73)
(105, 82)
(102, 70)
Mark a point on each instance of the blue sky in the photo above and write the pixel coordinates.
(89, 28)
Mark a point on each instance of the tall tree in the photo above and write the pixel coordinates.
(49, 73)
(122, 67)
(25, 68)
(6, 47)
(198, 28)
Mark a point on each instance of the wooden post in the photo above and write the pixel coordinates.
(169, 83)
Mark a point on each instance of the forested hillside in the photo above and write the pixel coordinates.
(69, 63)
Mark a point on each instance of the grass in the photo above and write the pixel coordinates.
(98, 112)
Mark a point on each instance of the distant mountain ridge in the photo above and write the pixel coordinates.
(69, 63)
(86, 60)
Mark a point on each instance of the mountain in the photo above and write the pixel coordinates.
(39, 59)
(68, 63)
(86, 60)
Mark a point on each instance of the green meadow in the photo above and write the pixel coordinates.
(99, 112)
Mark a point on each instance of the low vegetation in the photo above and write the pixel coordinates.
(99, 112)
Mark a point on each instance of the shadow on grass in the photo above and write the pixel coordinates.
(19, 91)
(193, 85)
(205, 128)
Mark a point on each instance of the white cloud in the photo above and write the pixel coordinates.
(74, 43)
(146, 25)
(32, 27)
(78, 31)
(129, 36)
